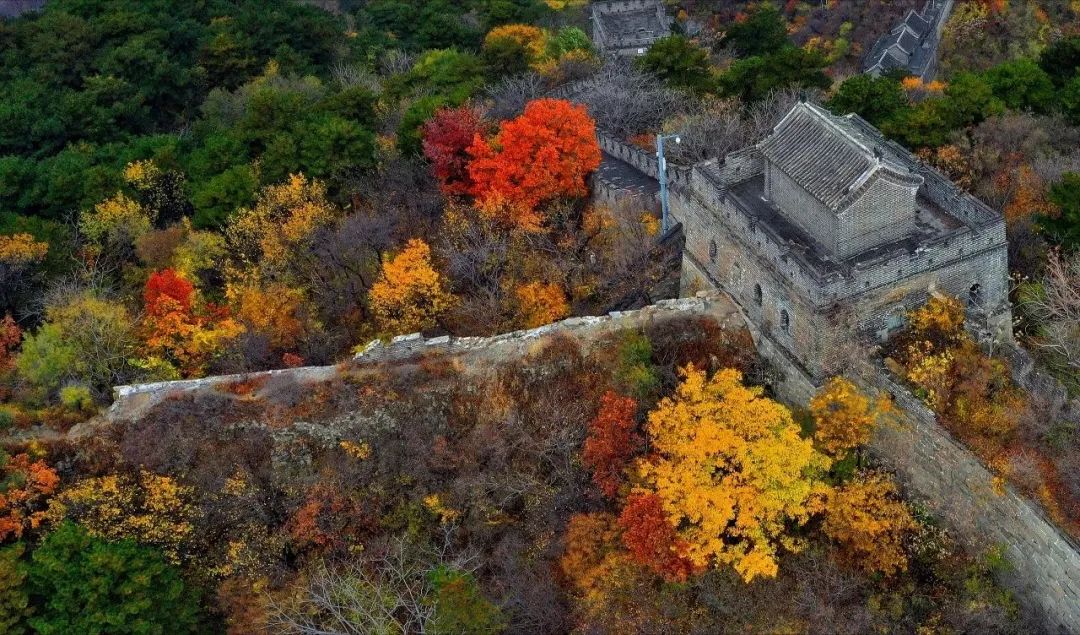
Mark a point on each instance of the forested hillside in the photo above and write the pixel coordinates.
(224, 186)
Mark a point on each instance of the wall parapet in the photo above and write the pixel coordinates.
(137, 397)
(956, 486)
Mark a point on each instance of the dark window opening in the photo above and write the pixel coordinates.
(975, 294)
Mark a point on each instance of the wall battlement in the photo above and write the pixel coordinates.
(134, 398)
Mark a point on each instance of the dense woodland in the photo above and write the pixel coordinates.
(199, 188)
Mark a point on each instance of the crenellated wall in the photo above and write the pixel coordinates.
(129, 400)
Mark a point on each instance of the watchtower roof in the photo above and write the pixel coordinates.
(828, 156)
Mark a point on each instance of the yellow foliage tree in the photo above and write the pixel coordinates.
(732, 472)
(844, 418)
(21, 249)
(942, 317)
(532, 39)
(409, 294)
(592, 554)
(152, 509)
(540, 304)
(266, 237)
(198, 252)
(869, 521)
(116, 220)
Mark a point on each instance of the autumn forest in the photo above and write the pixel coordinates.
(222, 187)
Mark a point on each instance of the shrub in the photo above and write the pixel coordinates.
(88, 585)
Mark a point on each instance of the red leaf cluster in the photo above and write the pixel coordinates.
(545, 154)
(611, 442)
(167, 292)
(10, 336)
(650, 538)
(446, 140)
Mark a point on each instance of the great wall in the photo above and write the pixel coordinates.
(935, 469)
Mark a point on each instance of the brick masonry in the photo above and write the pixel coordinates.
(1045, 563)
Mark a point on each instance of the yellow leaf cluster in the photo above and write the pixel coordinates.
(409, 295)
(283, 219)
(436, 506)
(869, 521)
(559, 5)
(532, 39)
(930, 371)
(115, 220)
(592, 557)
(732, 471)
(941, 314)
(141, 174)
(198, 252)
(540, 304)
(152, 509)
(21, 249)
(360, 451)
(844, 418)
(275, 310)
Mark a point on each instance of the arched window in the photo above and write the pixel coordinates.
(785, 321)
(975, 294)
(757, 294)
(712, 251)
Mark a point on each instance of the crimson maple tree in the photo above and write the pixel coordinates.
(446, 140)
(611, 442)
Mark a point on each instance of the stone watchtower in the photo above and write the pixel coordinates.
(824, 230)
(628, 27)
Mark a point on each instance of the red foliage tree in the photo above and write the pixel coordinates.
(546, 153)
(166, 292)
(446, 139)
(611, 443)
(10, 336)
(650, 538)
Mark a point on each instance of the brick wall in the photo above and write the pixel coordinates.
(884, 212)
(805, 211)
(1045, 563)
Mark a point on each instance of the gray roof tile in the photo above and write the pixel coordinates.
(829, 156)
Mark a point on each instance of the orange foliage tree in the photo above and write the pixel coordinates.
(409, 294)
(25, 489)
(611, 442)
(973, 393)
(844, 417)
(541, 303)
(869, 521)
(546, 153)
(275, 310)
(175, 331)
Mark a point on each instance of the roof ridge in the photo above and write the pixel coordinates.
(828, 117)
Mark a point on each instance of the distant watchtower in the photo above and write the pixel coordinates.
(628, 27)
